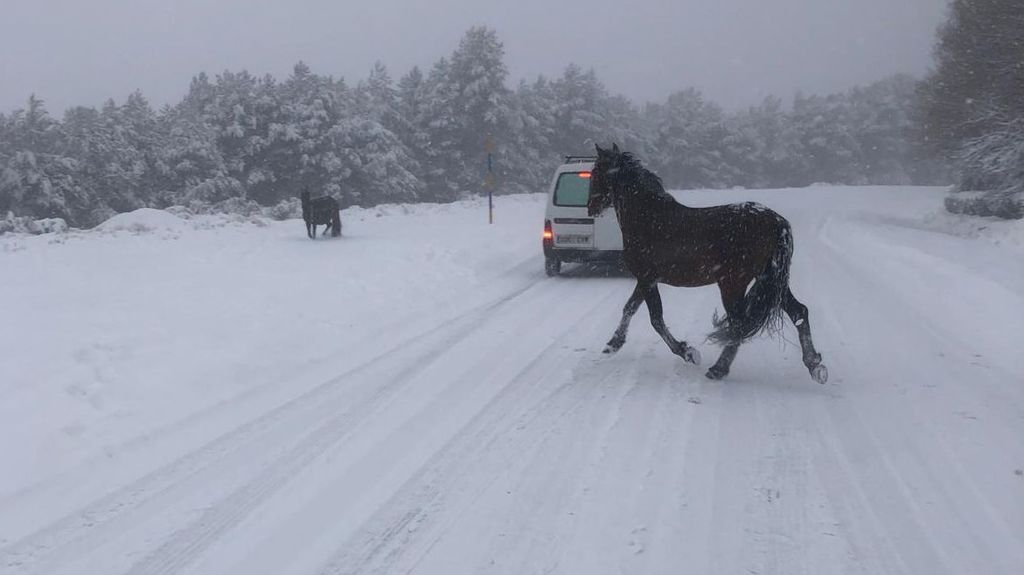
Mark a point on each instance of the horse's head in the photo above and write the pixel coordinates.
(602, 177)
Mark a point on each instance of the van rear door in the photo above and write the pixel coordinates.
(607, 235)
(571, 225)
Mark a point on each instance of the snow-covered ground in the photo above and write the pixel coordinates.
(223, 395)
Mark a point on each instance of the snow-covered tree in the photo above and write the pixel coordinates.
(191, 164)
(466, 103)
(995, 161)
(762, 148)
(881, 117)
(36, 178)
(535, 153)
(828, 142)
(979, 67)
(971, 105)
(578, 101)
(384, 167)
(688, 141)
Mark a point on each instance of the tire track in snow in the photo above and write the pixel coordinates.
(188, 543)
(890, 456)
(541, 457)
(598, 524)
(79, 532)
(577, 501)
(523, 377)
(421, 514)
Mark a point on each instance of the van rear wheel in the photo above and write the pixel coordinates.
(552, 266)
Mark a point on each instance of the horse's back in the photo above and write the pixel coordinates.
(320, 210)
(690, 247)
(742, 211)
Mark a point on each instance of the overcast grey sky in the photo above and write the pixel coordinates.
(83, 51)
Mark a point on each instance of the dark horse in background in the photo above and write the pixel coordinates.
(735, 246)
(320, 211)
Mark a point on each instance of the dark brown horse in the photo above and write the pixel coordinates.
(320, 211)
(744, 248)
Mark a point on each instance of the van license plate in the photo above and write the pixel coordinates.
(572, 239)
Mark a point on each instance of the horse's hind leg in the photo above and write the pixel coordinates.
(336, 224)
(812, 359)
(732, 299)
(632, 304)
(680, 348)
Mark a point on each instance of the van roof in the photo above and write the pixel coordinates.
(579, 159)
(577, 164)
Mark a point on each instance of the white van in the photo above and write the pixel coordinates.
(570, 235)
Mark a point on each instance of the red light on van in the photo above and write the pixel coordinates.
(584, 175)
(548, 234)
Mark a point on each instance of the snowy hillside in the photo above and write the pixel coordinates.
(223, 395)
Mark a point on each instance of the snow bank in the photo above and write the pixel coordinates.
(1002, 232)
(1006, 205)
(142, 221)
(23, 225)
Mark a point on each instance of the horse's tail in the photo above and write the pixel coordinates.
(762, 305)
(306, 212)
(336, 221)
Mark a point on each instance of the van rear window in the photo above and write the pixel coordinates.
(572, 189)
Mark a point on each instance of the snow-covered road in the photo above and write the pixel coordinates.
(417, 397)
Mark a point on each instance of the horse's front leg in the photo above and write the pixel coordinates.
(310, 230)
(680, 348)
(632, 304)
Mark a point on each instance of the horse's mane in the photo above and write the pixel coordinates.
(632, 169)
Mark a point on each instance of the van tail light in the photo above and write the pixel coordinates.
(549, 235)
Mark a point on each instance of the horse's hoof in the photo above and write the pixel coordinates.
(691, 355)
(716, 373)
(608, 350)
(819, 373)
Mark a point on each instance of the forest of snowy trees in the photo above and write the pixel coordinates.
(236, 141)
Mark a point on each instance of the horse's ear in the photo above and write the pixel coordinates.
(599, 150)
(615, 148)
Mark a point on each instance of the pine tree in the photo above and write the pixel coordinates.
(971, 104)
(411, 97)
(439, 119)
(979, 71)
(535, 154)
(881, 121)
(190, 163)
(689, 134)
(466, 103)
(379, 167)
(578, 100)
(302, 141)
(828, 143)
